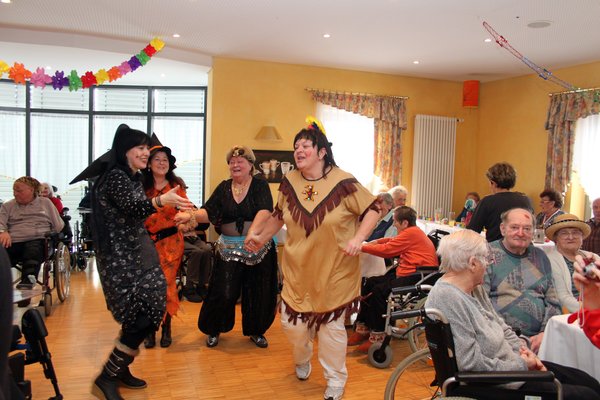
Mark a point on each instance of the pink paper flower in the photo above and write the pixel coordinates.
(39, 78)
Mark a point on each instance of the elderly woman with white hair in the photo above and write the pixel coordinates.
(482, 340)
(567, 232)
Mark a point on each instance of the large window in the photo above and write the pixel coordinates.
(53, 135)
(352, 138)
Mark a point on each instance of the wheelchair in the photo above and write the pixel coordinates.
(83, 247)
(380, 355)
(432, 372)
(34, 350)
(55, 271)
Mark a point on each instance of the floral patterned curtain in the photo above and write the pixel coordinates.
(389, 114)
(565, 109)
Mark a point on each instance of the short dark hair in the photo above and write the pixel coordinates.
(553, 195)
(405, 213)
(474, 194)
(319, 140)
(502, 174)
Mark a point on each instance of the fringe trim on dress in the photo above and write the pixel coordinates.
(315, 320)
(312, 220)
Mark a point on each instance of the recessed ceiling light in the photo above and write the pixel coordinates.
(162, 75)
(416, 62)
(539, 24)
(487, 40)
(176, 35)
(326, 35)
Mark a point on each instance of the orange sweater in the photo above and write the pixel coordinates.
(411, 245)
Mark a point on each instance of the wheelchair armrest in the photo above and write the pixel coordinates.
(33, 325)
(504, 376)
(427, 269)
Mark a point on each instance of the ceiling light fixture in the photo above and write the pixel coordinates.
(6, 1)
(326, 35)
(416, 62)
(539, 24)
(176, 35)
(487, 40)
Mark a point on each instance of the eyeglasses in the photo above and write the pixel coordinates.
(574, 233)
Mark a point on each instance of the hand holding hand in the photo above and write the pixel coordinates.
(353, 247)
(253, 242)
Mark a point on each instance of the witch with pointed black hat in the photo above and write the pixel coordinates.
(132, 280)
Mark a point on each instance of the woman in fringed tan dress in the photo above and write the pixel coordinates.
(328, 215)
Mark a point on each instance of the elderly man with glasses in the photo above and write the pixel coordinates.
(519, 281)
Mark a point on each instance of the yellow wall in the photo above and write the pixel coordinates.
(249, 94)
(511, 128)
(508, 125)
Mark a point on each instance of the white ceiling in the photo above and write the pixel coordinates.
(446, 36)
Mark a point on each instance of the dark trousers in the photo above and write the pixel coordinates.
(30, 254)
(199, 264)
(257, 285)
(576, 384)
(375, 292)
(133, 333)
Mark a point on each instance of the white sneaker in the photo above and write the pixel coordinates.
(333, 393)
(303, 371)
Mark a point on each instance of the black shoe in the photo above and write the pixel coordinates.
(212, 341)
(192, 295)
(165, 338)
(259, 341)
(150, 341)
(24, 303)
(130, 381)
(106, 387)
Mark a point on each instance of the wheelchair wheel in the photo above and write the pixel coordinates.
(416, 331)
(412, 379)
(380, 358)
(62, 271)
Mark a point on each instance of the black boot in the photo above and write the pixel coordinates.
(165, 339)
(150, 340)
(114, 371)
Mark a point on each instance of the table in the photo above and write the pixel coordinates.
(430, 226)
(566, 344)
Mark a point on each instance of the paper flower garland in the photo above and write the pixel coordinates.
(73, 81)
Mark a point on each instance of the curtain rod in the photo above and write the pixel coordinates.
(574, 91)
(355, 93)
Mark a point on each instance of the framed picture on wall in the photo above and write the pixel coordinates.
(274, 164)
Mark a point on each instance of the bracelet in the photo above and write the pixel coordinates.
(158, 202)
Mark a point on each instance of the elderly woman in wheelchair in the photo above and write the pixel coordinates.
(24, 223)
(482, 341)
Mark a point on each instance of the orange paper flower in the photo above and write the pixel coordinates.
(114, 74)
(18, 73)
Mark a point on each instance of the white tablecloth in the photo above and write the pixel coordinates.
(430, 226)
(566, 344)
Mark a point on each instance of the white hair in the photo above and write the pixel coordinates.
(50, 190)
(398, 189)
(456, 249)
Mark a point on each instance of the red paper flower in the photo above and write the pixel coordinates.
(149, 50)
(89, 79)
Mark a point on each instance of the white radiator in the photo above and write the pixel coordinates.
(433, 164)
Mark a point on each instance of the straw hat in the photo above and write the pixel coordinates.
(567, 221)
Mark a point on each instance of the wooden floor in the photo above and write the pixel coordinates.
(82, 332)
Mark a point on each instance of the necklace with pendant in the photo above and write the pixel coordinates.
(238, 190)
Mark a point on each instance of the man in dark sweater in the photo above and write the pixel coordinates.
(502, 177)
